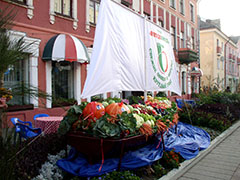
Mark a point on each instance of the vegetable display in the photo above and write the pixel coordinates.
(114, 119)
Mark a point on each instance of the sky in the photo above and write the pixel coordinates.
(228, 11)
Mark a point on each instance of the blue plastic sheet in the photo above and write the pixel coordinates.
(188, 141)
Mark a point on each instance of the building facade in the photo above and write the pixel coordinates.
(41, 23)
(218, 55)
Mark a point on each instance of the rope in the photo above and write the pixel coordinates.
(100, 168)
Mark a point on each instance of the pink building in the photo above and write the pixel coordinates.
(42, 22)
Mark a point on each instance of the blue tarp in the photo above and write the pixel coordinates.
(188, 141)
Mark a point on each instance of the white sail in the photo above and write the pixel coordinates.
(118, 58)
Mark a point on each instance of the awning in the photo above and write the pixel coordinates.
(65, 47)
(196, 71)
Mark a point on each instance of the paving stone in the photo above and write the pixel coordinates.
(221, 163)
(218, 161)
(199, 176)
(236, 175)
(213, 169)
(186, 178)
(210, 174)
(219, 166)
(227, 158)
(226, 153)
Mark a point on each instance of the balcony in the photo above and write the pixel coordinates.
(187, 55)
(219, 51)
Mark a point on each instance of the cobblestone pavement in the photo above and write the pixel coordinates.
(223, 162)
(220, 161)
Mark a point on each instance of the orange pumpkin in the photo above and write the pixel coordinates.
(116, 108)
(94, 110)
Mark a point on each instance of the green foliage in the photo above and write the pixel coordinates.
(118, 175)
(6, 18)
(204, 119)
(104, 128)
(11, 51)
(159, 170)
(125, 125)
(161, 94)
(72, 116)
(23, 89)
(115, 99)
(7, 156)
(34, 152)
(170, 160)
(135, 100)
(58, 102)
(218, 97)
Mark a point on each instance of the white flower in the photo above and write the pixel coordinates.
(50, 170)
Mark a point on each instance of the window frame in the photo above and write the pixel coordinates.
(19, 2)
(94, 11)
(173, 6)
(192, 12)
(126, 3)
(173, 35)
(218, 63)
(62, 9)
(182, 8)
(182, 44)
(74, 9)
(33, 55)
(184, 82)
(20, 74)
(70, 78)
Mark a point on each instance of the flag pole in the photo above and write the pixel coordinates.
(145, 60)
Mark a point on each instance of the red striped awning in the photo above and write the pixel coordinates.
(65, 47)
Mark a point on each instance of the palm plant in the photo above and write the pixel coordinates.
(11, 51)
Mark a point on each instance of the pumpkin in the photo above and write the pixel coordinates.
(116, 108)
(93, 110)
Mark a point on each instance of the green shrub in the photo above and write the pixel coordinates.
(118, 175)
(159, 170)
(35, 154)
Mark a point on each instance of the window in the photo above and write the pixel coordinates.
(147, 15)
(193, 84)
(192, 43)
(93, 11)
(14, 77)
(161, 23)
(173, 4)
(182, 40)
(192, 13)
(181, 5)
(20, 1)
(173, 35)
(218, 63)
(62, 80)
(183, 82)
(63, 7)
(126, 3)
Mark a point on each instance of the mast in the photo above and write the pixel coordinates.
(145, 59)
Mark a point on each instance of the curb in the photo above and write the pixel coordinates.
(188, 164)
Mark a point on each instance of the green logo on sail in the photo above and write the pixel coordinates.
(161, 67)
